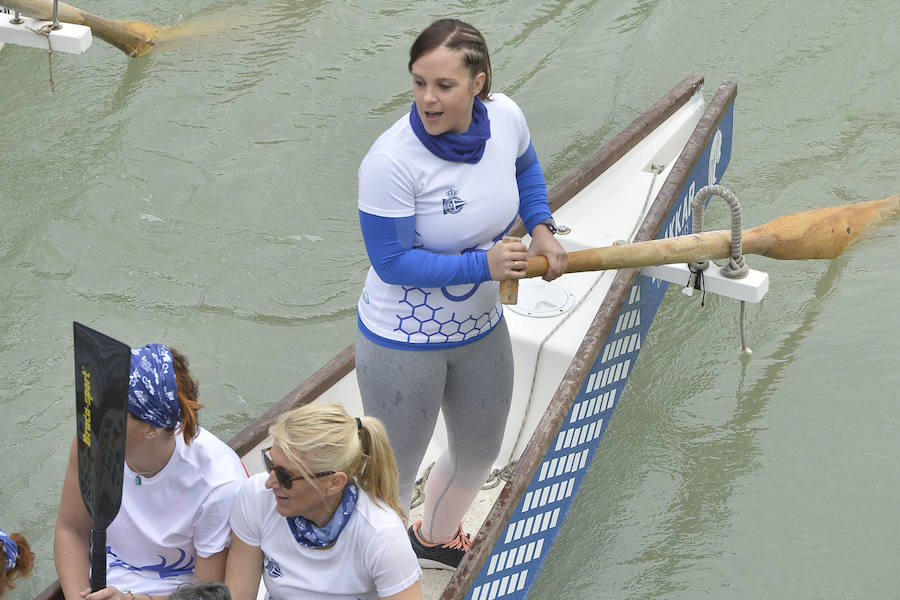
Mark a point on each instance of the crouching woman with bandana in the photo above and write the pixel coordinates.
(179, 486)
(325, 520)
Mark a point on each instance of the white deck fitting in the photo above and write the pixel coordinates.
(70, 38)
(751, 288)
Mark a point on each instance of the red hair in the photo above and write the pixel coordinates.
(24, 564)
(188, 391)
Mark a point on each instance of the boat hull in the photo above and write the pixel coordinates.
(518, 553)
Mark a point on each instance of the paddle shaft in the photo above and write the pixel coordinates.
(131, 37)
(812, 234)
(98, 559)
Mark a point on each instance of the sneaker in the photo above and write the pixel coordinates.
(439, 556)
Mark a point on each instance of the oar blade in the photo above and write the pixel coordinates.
(131, 37)
(102, 366)
(818, 233)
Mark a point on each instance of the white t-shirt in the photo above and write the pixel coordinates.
(457, 207)
(371, 558)
(171, 518)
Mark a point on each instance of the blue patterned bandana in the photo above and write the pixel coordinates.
(152, 393)
(306, 532)
(10, 550)
(465, 147)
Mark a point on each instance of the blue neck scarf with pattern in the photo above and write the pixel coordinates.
(465, 147)
(152, 392)
(10, 550)
(308, 534)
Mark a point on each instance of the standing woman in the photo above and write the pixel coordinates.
(323, 522)
(437, 192)
(18, 560)
(179, 485)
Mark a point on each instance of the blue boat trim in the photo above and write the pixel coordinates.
(519, 553)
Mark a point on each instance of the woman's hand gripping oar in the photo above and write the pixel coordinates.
(812, 234)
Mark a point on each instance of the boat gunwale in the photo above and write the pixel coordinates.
(590, 347)
(344, 363)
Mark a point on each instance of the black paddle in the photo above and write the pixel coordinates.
(102, 367)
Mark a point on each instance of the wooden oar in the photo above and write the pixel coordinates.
(817, 233)
(132, 37)
(102, 367)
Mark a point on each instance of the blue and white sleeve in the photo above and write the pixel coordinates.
(533, 205)
(389, 244)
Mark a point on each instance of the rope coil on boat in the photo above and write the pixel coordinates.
(737, 266)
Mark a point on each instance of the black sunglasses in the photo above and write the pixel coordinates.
(285, 479)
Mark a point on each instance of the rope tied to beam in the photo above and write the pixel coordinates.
(45, 30)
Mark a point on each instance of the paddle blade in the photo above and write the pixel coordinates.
(818, 233)
(102, 367)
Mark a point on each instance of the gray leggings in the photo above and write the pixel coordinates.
(406, 388)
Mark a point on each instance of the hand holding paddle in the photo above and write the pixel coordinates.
(811, 234)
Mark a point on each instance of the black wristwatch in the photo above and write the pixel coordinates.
(550, 223)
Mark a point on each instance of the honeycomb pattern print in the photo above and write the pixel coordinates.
(425, 321)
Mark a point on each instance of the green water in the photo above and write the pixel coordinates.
(204, 196)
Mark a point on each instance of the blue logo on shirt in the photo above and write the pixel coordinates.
(163, 569)
(272, 568)
(452, 202)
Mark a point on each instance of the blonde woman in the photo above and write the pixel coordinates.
(324, 521)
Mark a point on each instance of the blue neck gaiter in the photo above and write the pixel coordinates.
(308, 534)
(465, 147)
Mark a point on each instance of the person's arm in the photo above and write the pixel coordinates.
(534, 209)
(211, 568)
(243, 570)
(113, 593)
(533, 204)
(71, 542)
(413, 592)
(389, 244)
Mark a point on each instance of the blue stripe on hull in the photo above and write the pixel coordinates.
(519, 554)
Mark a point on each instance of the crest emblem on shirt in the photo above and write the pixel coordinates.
(272, 568)
(452, 202)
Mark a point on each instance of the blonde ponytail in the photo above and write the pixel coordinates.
(379, 473)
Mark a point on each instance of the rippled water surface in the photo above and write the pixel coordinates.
(204, 196)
